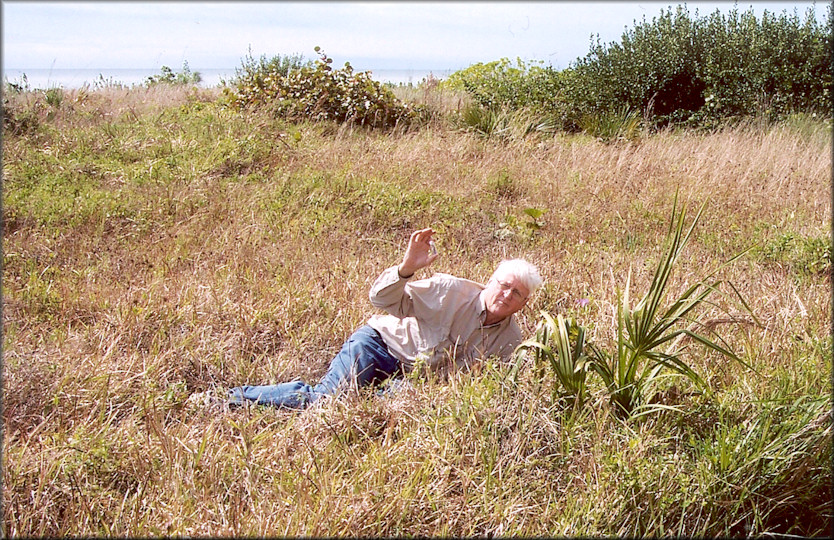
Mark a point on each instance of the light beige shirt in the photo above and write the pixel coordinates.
(438, 321)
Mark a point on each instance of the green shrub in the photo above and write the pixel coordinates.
(167, 76)
(504, 124)
(22, 85)
(318, 92)
(773, 66)
(255, 76)
(679, 69)
(54, 97)
(500, 85)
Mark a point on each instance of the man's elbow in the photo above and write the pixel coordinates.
(377, 302)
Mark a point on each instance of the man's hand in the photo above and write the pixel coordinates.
(419, 254)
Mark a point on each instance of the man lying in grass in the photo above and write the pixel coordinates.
(443, 321)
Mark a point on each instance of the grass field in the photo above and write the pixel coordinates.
(156, 245)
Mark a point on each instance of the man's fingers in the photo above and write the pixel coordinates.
(423, 235)
(419, 253)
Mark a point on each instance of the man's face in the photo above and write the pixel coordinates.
(503, 296)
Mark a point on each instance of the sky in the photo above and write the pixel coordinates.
(422, 35)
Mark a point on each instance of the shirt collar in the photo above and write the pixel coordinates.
(482, 312)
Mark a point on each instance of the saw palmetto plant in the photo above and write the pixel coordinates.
(650, 336)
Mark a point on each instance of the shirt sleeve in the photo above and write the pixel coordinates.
(389, 294)
(423, 299)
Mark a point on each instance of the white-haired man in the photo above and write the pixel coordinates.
(443, 323)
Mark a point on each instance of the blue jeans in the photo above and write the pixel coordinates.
(364, 357)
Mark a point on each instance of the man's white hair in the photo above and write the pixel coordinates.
(524, 271)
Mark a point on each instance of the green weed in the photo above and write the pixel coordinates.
(802, 255)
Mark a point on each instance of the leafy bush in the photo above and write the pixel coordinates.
(774, 66)
(682, 69)
(19, 120)
(24, 109)
(256, 75)
(167, 76)
(512, 99)
(500, 85)
(318, 92)
(22, 85)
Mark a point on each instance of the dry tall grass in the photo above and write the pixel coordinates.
(248, 260)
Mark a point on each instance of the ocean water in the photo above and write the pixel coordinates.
(44, 79)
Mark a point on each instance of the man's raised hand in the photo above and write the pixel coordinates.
(419, 254)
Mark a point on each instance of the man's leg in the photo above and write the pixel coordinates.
(364, 356)
(290, 395)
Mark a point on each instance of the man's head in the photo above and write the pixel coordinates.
(509, 288)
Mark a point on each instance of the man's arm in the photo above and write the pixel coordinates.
(389, 291)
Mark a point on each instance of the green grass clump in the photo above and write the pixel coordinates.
(802, 255)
